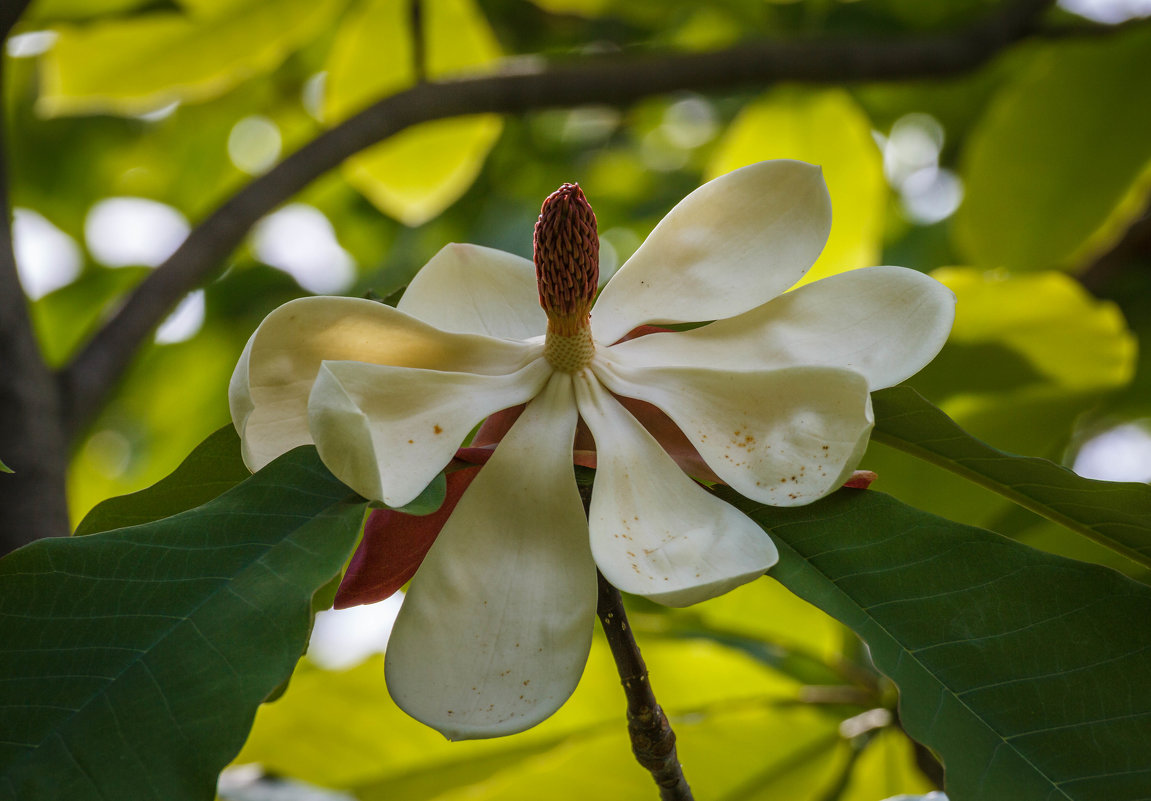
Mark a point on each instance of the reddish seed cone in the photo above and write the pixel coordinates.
(566, 248)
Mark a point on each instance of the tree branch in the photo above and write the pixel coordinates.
(32, 500)
(10, 13)
(652, 740)
(601, 80)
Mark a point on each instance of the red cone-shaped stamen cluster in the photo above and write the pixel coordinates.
(567, 259)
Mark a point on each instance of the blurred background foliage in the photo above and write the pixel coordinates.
(1022, 185)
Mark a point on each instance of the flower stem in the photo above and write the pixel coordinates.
(652, 740)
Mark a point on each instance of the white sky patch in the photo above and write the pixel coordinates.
(690, 122)
(46, 257)
(184, 322)
(931, 195)
(108, 452)
(928, 193)
(249, 783)
(301, 241)
(254, 144)
(1110, 12)
(1121, 454)
(343, 638)
(133, 231)
(312, 95)
(31, 44)
(161, 113)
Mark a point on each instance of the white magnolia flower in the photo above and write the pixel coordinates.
(495, 630)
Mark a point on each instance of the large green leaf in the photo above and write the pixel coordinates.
(133, 660)
(1117, 515)
(214, 467)
(1051, 172)
(1026, 672)
(420, 172)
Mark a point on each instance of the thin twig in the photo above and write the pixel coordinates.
(652, 739)
(603, 80)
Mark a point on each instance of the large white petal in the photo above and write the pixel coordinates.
(883, 322)
(783, 437)
(494, 633)
(471, 289)
(269, 391)
(654, 531)
(729, 246)
(386, 431)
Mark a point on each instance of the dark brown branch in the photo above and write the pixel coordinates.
(32, 501)
(652, 740)
(603, 80)
(10, 13)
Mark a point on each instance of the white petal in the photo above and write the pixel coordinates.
(729, 246)
(654, 531)
(494, 633)
(783, 437)
(240, 395)
(275, 376)
(470, 289)
(386, 431)
(883, 322)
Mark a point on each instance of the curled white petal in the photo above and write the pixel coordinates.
(783, 437)
(654, 531)
(494, 633)
(386, 431)
(470, 289)
(884, 322)
(270, 388)
(729, 246)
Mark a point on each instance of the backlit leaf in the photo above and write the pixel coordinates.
(826, 128)
(136, 65)
(420, 172)
(1052, 171)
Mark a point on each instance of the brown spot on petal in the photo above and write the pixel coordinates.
(437, 429)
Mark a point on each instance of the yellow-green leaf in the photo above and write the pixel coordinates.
(1071, 341)
(1028, 354)
(826, 128)
(420, 172)
(357, 737)
(136, 65)
(1052, 173)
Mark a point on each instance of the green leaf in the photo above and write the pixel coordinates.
(134, 660)
(1113, 514)
(1025, 672)
(215, 466)
(1051, 174)
(137, 65)
(827, 128)
(5, 468)
(418, 173)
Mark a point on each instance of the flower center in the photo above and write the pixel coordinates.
(567, 274)
(569, 354)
